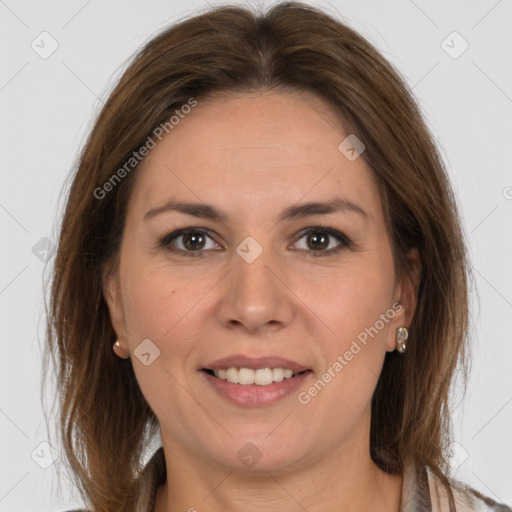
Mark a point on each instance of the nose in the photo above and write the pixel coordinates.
(255, 296)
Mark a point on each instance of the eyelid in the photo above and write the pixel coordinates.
(166, 239)
(335, 233)
(344, 241)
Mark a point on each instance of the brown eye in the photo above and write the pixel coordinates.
(193, 241)
(321, 241)
(189, 241)
(318, 240)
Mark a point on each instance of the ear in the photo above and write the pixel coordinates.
(406, 295)
(112, 294)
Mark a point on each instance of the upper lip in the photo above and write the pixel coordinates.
(255, 363)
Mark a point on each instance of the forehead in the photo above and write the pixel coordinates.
(259, 124)
(264, 147)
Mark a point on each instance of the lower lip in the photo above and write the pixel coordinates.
(252, 395)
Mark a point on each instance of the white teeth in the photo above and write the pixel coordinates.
(231, 375)
(263, 376)
(245, 376)
(248, 376)
(277, 374)
(287, 374)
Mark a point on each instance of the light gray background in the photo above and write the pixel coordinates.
(48, 106)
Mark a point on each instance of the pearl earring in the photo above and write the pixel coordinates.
(401, 337)
(119, 350)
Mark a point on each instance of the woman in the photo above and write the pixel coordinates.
(261, 228)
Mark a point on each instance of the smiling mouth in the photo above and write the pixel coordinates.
(248, 376)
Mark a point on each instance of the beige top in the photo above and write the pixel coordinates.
(426, 495)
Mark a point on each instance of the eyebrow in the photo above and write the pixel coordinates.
(205, 211)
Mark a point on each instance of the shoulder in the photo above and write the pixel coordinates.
(466, 498)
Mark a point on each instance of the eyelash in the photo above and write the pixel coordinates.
(345, 242)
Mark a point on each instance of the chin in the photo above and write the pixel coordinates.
(253, 455)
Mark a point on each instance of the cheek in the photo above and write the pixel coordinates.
(358, 308)
(168, 306)
(154, 301)
(159, 307)
(352, 299)
(353, 307)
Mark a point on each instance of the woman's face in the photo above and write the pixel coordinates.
(249, 287)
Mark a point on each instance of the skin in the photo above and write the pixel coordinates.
(252, 155)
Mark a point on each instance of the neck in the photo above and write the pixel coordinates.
(346, 479)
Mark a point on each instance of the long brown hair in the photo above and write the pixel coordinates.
(104, 421)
